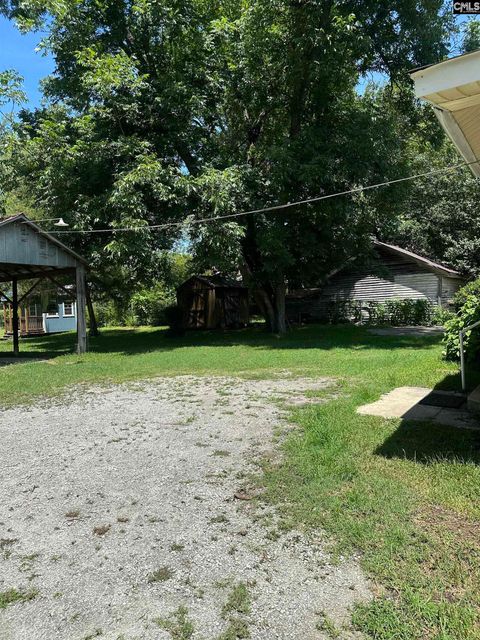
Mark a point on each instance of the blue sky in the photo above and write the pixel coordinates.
(17, 52)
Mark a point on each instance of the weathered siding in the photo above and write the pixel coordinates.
(20, 244)
(361, 286)
(449, 286)
(389, 277)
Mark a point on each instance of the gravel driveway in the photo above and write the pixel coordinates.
(118, 519)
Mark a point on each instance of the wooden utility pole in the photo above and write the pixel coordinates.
(91, 314)
(15, 316)
(81, 317)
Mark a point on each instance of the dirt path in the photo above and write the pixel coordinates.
(117, 510)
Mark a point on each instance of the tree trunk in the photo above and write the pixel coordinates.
(271, 301)
(266, 308)
(269, 296)
(280, 314)
(91, 315)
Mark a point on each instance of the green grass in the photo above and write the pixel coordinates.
(11, 596)
(161, 575)
(178, 625)
(403, 495)
(238, 600)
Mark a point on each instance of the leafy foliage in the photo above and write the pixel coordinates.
(440, 217)
(144, 304)
(171, 109)
(400, 312)
(467, 301)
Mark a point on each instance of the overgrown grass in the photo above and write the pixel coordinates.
(404, 495)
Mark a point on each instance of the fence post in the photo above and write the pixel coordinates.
(462, 361)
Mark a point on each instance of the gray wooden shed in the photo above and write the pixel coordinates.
(393, 273)
(27, 252)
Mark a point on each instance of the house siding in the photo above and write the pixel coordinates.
(57, 324)
(449, 286)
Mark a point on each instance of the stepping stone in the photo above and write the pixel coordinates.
(408, 403)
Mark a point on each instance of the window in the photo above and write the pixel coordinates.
(68, 309)
(52, 310)
(43, 244)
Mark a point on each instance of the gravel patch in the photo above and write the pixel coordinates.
(126, 512)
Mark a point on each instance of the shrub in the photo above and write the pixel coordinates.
(465, 293)
(107, 314)
(343, 311)
(441, 316)
(467, 302)
(376, 313)
(148, 305)
(409, 312)
(394, 312)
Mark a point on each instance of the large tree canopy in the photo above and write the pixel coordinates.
(164, 110)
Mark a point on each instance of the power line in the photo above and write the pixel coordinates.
(278, 207)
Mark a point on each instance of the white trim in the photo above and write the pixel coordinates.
(447, 74)
(69, 315)
(53, 315)
(456, 135)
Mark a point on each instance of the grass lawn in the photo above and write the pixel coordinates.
(402, 495)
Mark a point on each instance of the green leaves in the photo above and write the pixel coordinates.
(169, 109)
(12, 95)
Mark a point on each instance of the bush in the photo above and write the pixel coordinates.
(344, 311)
(148, 305)
(441, 316)
(465, 293)
(393, 312)
(108, 315)
(376, 313)
(409, 312)
(467, 303)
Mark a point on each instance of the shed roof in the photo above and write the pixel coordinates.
(440, 269)
(425, 263)
(453, 89)
(216, 281)
(27, 251)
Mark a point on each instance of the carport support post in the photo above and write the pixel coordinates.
(15, 316)
(81, 318)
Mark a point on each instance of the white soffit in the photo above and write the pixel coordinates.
(453, 88)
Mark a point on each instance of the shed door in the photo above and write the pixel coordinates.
(197, 316)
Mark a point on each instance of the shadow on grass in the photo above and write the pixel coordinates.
(428, 443)
(137, 341)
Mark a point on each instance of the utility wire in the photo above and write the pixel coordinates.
(278, 207)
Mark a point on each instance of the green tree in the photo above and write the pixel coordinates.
(440, 217)
(164, 109)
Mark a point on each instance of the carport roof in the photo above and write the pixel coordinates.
(27, 251)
